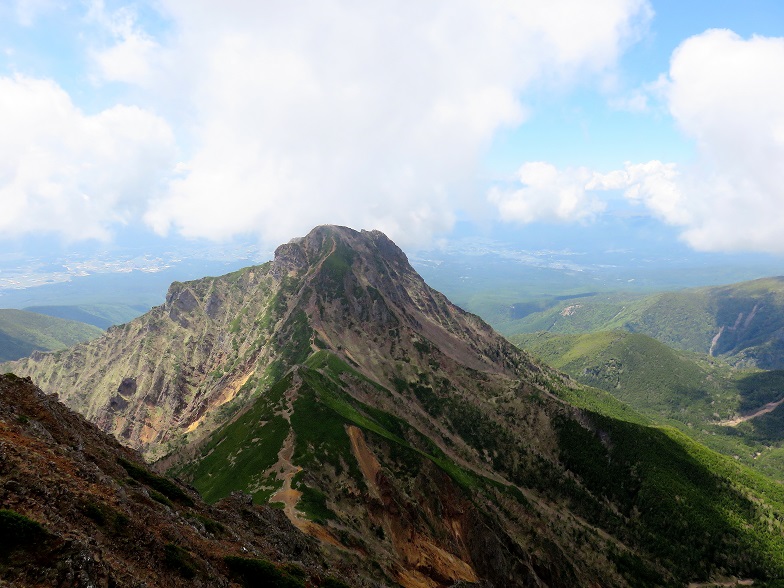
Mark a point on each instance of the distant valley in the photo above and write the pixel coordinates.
(22, 332)
(738, 412)
(742, 323)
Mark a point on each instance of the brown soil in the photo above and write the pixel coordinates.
(769, 407)
(228, 394)
(415, 551)
(288, 495)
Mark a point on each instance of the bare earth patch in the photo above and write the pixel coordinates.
(769, 407)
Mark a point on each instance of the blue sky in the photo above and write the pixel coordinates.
(581, 127)
(159, 125)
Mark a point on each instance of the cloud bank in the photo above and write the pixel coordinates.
(287, 115)
(549, 194)
(727, 94)
(361, 114)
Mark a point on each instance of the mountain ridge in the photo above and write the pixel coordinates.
(335, 384)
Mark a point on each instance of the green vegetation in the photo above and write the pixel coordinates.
(748, 314)
(338, 263)
(104, 516)
(18, 532)
(158, 497)
(96, 512)
(635, 369)
(259, 573)
(158, 483)
(213, 527)
(672, 500)
(692, 507)
(320, 429)
(313, 502)
(180, 560)
(329, 392)
(22, 332)
(250, 444)
(321, 411)
(689, 391)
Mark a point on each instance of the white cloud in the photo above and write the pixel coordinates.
(130, 56)
(654, 184)
(548, 194)
(574, 194)
(636, 101)
(27, 11)
(727, 94)
(368, 114)
(76, 175)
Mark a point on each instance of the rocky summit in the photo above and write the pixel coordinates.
(403, 433)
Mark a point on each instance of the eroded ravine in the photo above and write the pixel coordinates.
(417, 553)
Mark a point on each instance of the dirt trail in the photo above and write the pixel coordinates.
(286, 472)
(290, 497)
(769, 407)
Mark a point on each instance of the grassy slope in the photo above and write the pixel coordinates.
(673, 499)
(674, 317)
(321, 412)
(689, 391)
(23, 332)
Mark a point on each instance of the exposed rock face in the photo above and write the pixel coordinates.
(395, 427)
(174, 374)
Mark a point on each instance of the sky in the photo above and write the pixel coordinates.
(163, 123)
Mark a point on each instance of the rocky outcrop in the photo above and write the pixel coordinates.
(80, 510)
(171, 376)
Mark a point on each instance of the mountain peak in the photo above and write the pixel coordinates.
(325, 240)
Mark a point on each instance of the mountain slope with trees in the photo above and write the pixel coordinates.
(742, 323)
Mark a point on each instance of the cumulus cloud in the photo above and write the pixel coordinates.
(654, 184)
(66, 172)
(368, 114)
(131, 53)
(549, 194)
(724, 92)
(727, 94)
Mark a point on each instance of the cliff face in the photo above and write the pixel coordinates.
(174, 374)
(152, 380)
(381, 419)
